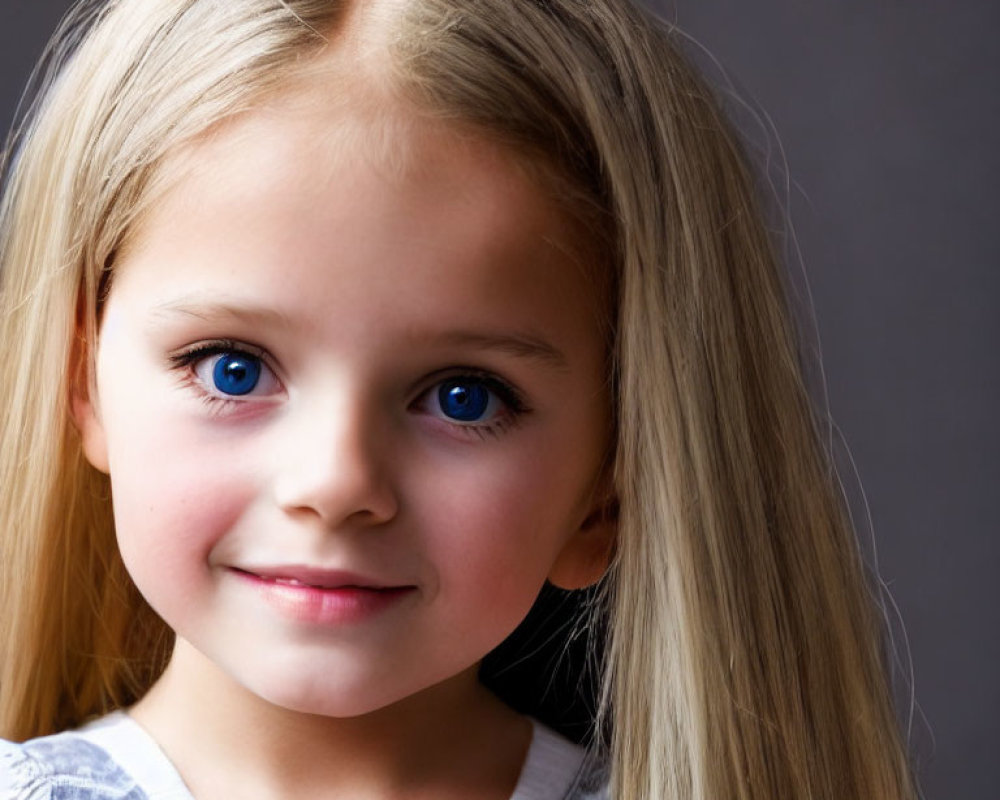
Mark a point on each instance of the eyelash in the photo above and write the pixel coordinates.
(514, 404)
(185, 362)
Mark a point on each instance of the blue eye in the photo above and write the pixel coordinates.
(236, 373)
(228, 370)
(464, 399)
(475, 402)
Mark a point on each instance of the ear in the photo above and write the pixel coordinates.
(84, 408)
(585, 557)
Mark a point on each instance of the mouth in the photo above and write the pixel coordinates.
(312, 578)
(323, 597)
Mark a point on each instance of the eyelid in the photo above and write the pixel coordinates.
(513, 406)
(509, 393)
(207, 347)
(187, 358)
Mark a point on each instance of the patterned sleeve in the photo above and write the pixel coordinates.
(62, 768)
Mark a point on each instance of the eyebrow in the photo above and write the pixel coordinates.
(222, 312)
(520, 344)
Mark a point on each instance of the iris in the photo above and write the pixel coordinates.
(464, 400)
(236, 373)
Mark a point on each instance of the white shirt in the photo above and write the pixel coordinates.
(114, 757)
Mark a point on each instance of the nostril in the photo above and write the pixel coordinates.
(331, 461)
(336, 496)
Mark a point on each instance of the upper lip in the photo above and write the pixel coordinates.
(316, 576)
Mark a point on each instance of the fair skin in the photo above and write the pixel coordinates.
(354, 411)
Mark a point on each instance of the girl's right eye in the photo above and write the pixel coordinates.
(231, 373)
(223, 371)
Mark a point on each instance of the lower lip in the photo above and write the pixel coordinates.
(318, 606)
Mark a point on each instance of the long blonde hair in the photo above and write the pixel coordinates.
(744, 656)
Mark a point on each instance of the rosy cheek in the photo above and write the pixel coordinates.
(493, 521)
(172, 497)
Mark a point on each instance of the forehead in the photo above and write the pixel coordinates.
(299, 153)
(337, 108)
(312, 180)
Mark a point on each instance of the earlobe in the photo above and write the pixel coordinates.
(88, 423)
(585, 557)
(84, 411)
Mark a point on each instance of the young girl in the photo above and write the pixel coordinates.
(333, 331)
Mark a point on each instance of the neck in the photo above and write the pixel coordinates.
(450, 740)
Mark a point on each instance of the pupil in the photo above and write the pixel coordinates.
(236, 374)
(465, 402)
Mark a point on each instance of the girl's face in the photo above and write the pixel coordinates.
(351, 395)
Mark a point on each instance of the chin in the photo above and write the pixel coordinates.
(326, 695)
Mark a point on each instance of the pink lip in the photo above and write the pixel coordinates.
(322, 597)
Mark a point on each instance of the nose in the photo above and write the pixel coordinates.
(334, 467)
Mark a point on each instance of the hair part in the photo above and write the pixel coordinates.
(744, 658)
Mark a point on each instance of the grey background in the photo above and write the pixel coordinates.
(887, 114)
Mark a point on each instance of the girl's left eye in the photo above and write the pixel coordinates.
(483, 403)
(466, 400)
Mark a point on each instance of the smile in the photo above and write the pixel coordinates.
(322, 597)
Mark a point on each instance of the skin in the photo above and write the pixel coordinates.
(361, 276)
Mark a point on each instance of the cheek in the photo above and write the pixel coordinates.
(502, 521)
(168, 509)
(173, 499)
